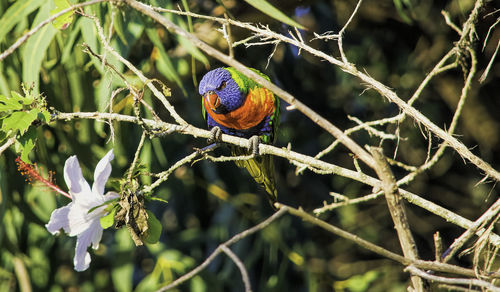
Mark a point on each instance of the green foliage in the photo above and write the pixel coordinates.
(26, 143)
(19, 121)
(358, 283)
(272, 11)
(17, 115)
(108, 220)
(36, 47)
(15, 14)
(63, 21)
(154, 229)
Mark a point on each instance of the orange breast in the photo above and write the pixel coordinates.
(258, 105)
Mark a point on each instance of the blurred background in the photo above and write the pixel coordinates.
(396, 42)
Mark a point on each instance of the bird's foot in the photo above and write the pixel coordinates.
(215, 135)
(253, 145)
(206, 149)
(159, 132)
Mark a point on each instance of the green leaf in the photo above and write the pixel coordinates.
(44, 116)
(8, 104)
(15, 14)
(164, 64)
(404, 8)
(69, 44)
(118, 25)
(197, 284)
(27, 142)
(26, 100)
(154, 228)
(36, 47)
(159, 199)
(108, 220)
(63, 21)
(192, 49)
(20, 121)
(272, 11)
(122, 276)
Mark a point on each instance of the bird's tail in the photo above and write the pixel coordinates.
(261, 168)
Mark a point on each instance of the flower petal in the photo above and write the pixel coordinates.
(96, 235)
(80, 219)
(59, 219)
(74, 178)
(83, 241)
(102, 172)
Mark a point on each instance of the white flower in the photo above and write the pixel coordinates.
(75, 218)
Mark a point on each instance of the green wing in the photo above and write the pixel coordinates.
(261, 168)
(245, 83)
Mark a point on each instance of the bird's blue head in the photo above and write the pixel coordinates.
(220, 91)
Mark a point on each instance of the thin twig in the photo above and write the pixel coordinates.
(349, 131)
(487, 216)
(287, 154)
(454, 281)
(450, 23)
(332, 206)
(218, 250)
(322, 122)
(7, 144)
(340, 35)
(137, 72)
(27, 35)
(490, 64)
(427, 265)
(325, 124)
(241, 266)
(228, 36)
(136, 156)
(163, 176)
(454, 122)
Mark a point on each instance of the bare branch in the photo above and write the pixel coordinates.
(487, 216)
(27, 35)
(435, 266)
(397, 211)
(136, 157)
(325, 124)
(163, 176)
(322, 122)
(450, 23)
(219, 249)
(290, 155)
(340, 35)
(241, 266)
(139, 74)
(490, 64)
(7, 144)
(335, 205)
(454, 281)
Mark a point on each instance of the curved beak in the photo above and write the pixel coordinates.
(212, 100)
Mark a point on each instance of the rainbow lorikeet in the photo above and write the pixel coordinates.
(236, 105)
